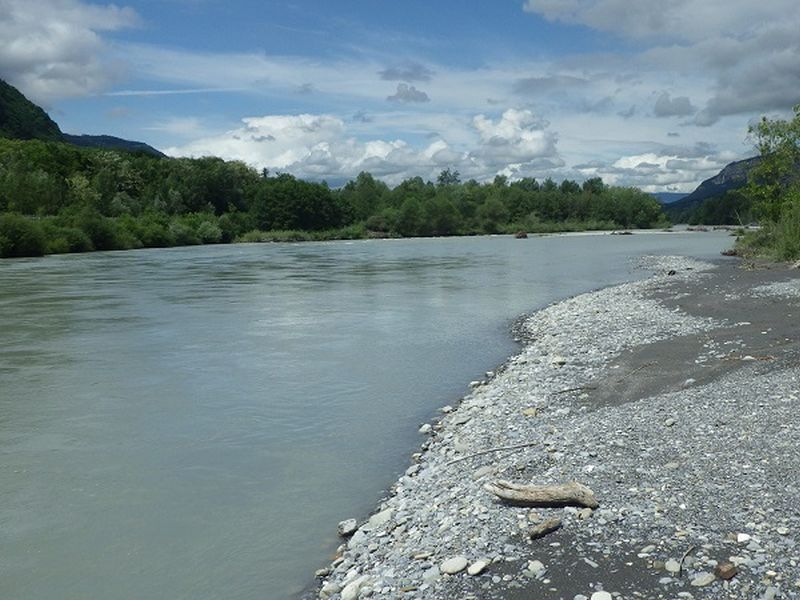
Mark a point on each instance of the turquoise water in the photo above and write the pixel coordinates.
(193, 422)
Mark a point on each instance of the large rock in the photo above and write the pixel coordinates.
(347, 527)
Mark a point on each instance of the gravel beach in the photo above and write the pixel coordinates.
(674, 399)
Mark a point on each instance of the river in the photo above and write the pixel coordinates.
(192, 423)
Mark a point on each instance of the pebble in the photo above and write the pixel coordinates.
(478, 567)
(672, 565)
(352, 589)
(703, 579)
(601, 596)
(453, 565)
(537, 568)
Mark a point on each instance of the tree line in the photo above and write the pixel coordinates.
(773, 190)
(57, 198)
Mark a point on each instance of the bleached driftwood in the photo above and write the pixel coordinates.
(542, 529)
(567, 494)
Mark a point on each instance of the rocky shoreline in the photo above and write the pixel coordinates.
(675, 399)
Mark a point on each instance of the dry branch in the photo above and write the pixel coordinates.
(491, 451)
(542, 529)
(567, 494)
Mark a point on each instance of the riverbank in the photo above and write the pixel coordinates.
(674, 399)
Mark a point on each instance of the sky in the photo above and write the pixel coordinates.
(653, 94)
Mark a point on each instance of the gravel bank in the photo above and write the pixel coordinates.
(668, 398)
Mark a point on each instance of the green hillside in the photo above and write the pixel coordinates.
(21, 119)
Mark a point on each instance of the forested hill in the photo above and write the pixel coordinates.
(21, 119)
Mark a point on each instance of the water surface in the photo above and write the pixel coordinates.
(192, 423)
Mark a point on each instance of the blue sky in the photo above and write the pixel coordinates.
(653, 94)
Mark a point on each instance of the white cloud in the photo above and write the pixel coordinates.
(53, 49)
(674, 169)
(517, 137)
(322, 147)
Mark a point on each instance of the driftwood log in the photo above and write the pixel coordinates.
(542, 529)
(567, 494)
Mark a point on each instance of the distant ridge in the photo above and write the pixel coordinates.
(110, 142)
(21, 119)
(669, 197)
(732, 177)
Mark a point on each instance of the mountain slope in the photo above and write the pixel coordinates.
(112, 143)
(21, 119)
(732, 177)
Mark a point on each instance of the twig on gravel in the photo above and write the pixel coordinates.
(636, 370)
(577, 389)
(490, 450)
(683, 558)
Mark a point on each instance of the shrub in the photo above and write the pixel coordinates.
(21, 236)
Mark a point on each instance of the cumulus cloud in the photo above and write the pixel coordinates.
(517, 137)
(675, 168)
(323, 147)
(53, 48)
(408, 72)
(680, 106)
(408, 93)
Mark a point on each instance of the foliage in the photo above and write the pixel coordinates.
(80, 199)
(774, 190)
(21, 119)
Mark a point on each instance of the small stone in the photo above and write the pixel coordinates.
(726, 570)
(672, 566)
(478, 567)
(530, 411)
(703, 579)
(425, 429)
(558, 361)
(770, 594)
(743, 537)
(601, 596)
(447, 409)
(669, 422)
(352, 589)
(378, 520)
(320, 573)
(648, 549)
(585, 513)
(782, 530)
(537, 568)
(347, 527)
(431, 575)
(453, 565)
(330, 589)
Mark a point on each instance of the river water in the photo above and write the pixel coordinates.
(192, 423)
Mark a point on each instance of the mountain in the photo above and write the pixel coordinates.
(730, 178)
(21, 119)
(669, 197)
(110, 142)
